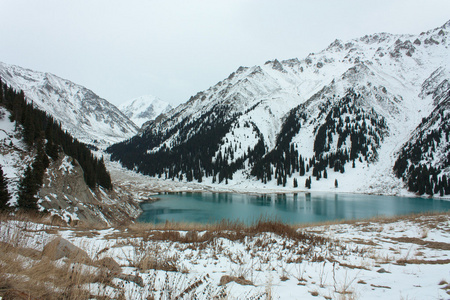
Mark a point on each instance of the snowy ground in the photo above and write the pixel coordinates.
(404, 258)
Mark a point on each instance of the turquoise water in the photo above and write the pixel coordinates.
(289, 208)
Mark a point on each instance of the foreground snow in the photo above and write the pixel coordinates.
(406, 258)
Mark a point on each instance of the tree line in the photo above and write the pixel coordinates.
(348, 134)
(199, 150)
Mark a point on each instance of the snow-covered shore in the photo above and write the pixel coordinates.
(403, 258)
(144, 187)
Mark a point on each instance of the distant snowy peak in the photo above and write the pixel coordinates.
(144, 108)
(80, 111)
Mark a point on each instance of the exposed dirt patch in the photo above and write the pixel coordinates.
(418, 241)
(403, 262)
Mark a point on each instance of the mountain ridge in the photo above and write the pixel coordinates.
(80, 111)
(249, 110)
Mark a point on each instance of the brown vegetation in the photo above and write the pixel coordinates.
(34, 274)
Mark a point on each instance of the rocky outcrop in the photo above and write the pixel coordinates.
(60, 248)
(65, 194)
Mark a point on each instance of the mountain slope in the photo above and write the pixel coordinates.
(144, 109)
(46, 169)
(355, 102)
(81, 112)
(424, 161)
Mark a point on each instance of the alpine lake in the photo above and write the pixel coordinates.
(288, 208)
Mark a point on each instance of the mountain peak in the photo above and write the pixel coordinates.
(144, 108)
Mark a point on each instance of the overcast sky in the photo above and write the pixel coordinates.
(175, 48)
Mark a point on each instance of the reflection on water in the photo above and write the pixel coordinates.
(290, 208)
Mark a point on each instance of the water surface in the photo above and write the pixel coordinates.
(289, 208)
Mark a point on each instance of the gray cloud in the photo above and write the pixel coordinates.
(173, 48)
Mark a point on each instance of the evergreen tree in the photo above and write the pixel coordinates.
(27, 200)
(308, 182)
(4, 194)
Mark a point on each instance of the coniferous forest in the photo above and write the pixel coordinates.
(347, 134)
(4, 194)
(193, 159)
(44, 135)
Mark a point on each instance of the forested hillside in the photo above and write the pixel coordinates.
(341, 115)
(424, 162)
(45, 138)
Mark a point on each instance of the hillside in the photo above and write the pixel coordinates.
(45, 170)
(338, 117)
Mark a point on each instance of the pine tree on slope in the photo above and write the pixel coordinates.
(27, 200)
(4, 194)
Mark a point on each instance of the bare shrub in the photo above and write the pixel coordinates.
(150, 257)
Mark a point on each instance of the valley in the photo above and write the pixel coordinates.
(364, 117)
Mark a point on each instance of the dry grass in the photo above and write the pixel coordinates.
(419, 241)
(414, 217)
(37, 277)
(206, 233)
(150, 257)
(25, 217)
(423, 262)
(26, 274)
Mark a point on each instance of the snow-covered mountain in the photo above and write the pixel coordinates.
(80, 111)
(144, 109)
(343, 113)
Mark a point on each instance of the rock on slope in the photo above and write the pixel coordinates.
(65, 194)
(145, 108)
(345, 111)
(80, 111)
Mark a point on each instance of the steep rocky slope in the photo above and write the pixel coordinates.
(65, 193)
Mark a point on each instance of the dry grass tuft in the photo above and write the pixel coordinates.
(224, 229)
(225, 279)
(419, 241)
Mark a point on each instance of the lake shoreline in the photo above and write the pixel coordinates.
(279, 192)
(290, 208)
